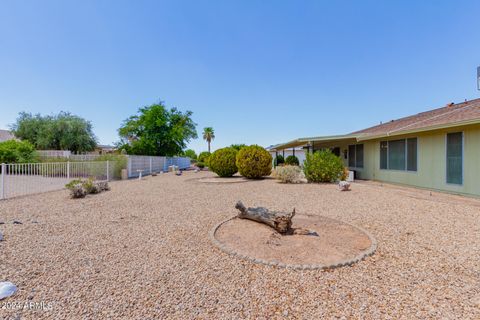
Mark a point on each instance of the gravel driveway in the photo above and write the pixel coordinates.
(142, 251)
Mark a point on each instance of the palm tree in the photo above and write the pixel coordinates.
(208, 135)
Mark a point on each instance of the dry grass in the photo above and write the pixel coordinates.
(142, 251)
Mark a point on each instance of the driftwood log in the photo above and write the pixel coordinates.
(280, 221)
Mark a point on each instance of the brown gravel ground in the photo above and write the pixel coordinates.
(142, 251)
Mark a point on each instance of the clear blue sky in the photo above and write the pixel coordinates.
(257, 71)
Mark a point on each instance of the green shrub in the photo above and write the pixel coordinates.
(289, 174)
(323, 166)
(14, 151)
(79, 188)
(279, 160)
(203, 157)
(223, 162)
(200, 164)
(254, 162)
(292, 161)
(117, 162)
(72, 183)
(238, 146)
(90, 186)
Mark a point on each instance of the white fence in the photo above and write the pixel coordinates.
(54, 153)
(149, 164)
(30, 178)
(48, 154)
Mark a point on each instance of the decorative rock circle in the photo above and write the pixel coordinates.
(220, 180)
(337, 244)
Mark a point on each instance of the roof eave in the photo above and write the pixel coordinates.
(303, 141)
(430, 128)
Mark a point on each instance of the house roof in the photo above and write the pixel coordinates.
(6, 135)
(467, 112)
(451, 115)
(105, 146)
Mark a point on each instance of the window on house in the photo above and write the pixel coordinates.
(412, 154)
(351, 156)
(384, 155)
(399, 154)
(455, 158)
(396, 155)
(355, 155)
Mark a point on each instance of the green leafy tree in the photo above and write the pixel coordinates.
(14, 151)
(63, 131)
(190, 154)
(157, 131)
(208, 135)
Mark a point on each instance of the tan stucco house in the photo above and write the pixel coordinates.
(437, 149)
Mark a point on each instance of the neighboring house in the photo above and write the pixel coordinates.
(437, 149)
(103, 149)
(6, 135)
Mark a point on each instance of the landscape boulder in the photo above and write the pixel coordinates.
(344, 186)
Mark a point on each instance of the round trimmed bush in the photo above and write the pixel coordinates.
(279, 160)
(203, 157)
(254, 162)
(223, 162)
(292, 161)
(323, 166)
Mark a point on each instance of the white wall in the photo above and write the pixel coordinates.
(300, 154)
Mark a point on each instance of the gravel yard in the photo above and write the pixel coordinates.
(142, 251)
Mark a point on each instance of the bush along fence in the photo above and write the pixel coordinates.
(29, 178)
(149, 164)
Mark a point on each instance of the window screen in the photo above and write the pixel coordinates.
(399, 154)
(455, 158)
(396, 155)
(355, 155)
(351, 156)
(412, 154)
(359, 156)
(383, 155)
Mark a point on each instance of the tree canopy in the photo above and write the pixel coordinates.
(157, 131)
(63, 131)
(190, 154)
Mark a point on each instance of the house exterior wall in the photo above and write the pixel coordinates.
(431, 163)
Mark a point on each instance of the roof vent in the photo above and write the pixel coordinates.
(450, 104)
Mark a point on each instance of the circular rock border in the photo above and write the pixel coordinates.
(199, 180)
(346, 262)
